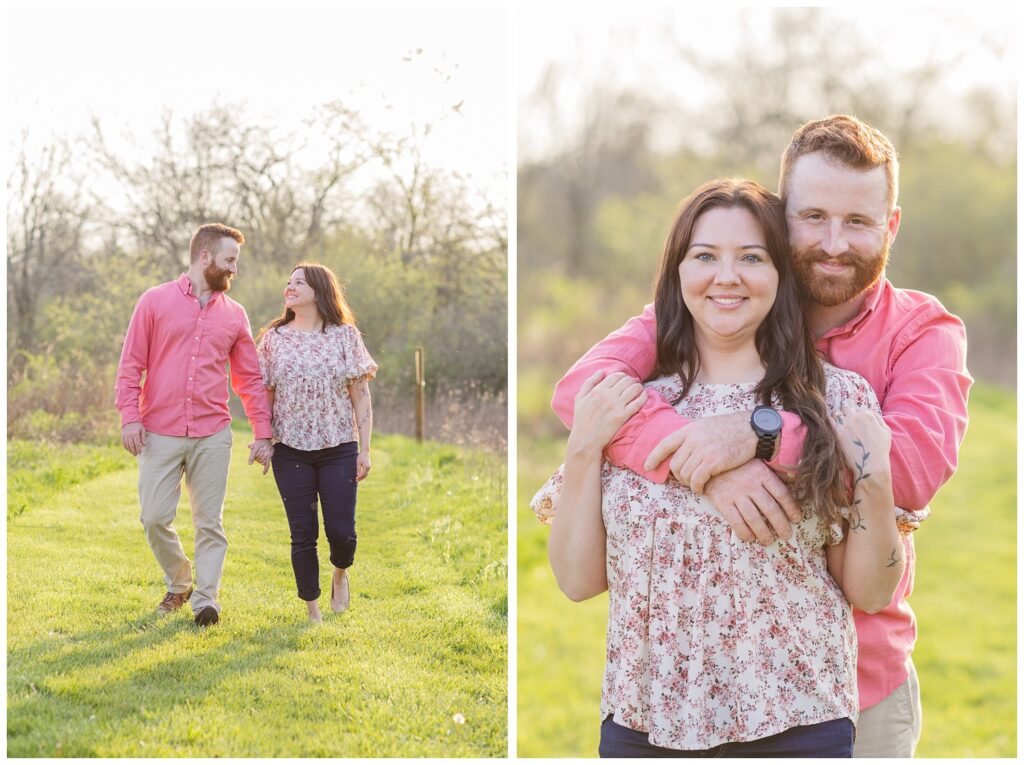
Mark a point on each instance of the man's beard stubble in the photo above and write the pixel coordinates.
(829, 291)
(217, 279)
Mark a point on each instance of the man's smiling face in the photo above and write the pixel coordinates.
(840, 228)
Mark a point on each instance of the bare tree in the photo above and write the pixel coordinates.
(46, 221)
(600, 148)
(807, 64)
(217, 165)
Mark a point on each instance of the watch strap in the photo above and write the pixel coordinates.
(765, 446)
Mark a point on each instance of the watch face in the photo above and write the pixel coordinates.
(767, 420)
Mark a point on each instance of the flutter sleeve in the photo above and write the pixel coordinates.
(545, 500)
(844, 388)
(264, 352)
(358, 363)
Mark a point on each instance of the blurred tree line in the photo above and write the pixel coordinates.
(594, 208)
(421, 252)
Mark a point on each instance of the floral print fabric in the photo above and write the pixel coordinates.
(310, 373)
(712, 639)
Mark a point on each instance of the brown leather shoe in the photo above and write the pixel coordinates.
(173, 601)
(340, 594)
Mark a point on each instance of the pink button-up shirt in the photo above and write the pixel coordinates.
(182, 348)
(913, 353)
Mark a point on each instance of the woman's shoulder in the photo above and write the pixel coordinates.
(344, 331)
(846, 388)
(669, 386)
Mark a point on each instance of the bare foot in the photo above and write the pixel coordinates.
(339, 590)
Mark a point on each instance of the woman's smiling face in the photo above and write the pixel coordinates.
(298, 293)
(727, 277)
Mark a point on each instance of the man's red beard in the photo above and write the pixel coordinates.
(831, 291)
(217, 279)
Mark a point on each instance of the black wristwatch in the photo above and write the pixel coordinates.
(767, 424)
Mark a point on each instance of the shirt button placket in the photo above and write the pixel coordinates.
(191, 386)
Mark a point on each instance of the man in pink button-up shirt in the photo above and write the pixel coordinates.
(839, 182)
(177, 422)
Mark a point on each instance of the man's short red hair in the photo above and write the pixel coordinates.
(207, 237)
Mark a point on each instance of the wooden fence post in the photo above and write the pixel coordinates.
(421, 390)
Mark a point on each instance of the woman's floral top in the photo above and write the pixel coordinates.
(712, 639)
(310, 373)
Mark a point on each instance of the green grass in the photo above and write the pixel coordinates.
(92, 672)
(42, 470)
(964, 598)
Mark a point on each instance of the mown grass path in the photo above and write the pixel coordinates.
(92, 671)
(964, 596)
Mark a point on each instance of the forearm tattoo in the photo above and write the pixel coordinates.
(856, 521)
(894, 558)
(363, 410)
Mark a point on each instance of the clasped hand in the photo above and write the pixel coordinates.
(261, 450)
(715, 456)
(705, 448)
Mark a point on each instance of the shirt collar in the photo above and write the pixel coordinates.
(871, 301)
(185, 285)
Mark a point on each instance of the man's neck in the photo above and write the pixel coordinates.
(199, 286)
(823, 319)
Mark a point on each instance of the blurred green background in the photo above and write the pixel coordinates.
(620, 117)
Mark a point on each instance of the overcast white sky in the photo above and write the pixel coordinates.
(631, 48)
(127, 64)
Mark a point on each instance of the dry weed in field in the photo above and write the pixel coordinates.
(461, 416)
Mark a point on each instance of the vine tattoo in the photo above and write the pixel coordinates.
(893, 558)
(856, 521)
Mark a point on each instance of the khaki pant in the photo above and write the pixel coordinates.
(892, 727)
(204, 464)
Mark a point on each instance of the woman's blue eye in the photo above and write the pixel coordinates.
(704, 256)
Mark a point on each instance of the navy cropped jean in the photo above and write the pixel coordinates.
(305, 479)
(828, 739)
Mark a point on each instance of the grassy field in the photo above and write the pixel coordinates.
(965, 600)
(416, 667)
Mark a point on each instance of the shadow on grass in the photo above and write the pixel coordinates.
(136, 672)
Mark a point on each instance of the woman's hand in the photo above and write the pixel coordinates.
(865, 440)
(362, 465)
(602, 407)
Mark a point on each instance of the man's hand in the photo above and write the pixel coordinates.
(754, 502)
(261, 450)
(133, 438)
(706, 448)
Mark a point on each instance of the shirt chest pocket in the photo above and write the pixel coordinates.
(216, 335)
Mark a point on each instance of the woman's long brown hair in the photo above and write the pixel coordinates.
(330, 299)
(793, 372)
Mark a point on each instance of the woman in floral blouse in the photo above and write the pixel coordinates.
(316, 371)
(715, 645)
